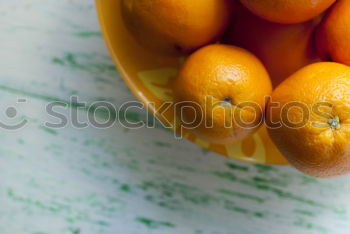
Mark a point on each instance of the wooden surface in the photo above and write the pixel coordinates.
(115, 180)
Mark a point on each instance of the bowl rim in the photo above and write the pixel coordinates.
(116, 59)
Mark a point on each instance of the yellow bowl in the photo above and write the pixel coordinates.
(149, 76)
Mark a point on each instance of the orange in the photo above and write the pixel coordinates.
(333, 34)
(287, 11)
(220, 93)
(309, 119)
(174, 26)
(282, 48)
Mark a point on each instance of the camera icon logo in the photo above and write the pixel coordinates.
(11, 113)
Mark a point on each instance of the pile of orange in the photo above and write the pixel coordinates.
(282, 63)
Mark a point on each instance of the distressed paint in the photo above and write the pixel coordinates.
(108, 181)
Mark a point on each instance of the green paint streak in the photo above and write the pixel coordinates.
(103, 223)
(94, 142)
(133, 164)
(309, 180)
(237, 167)
(49, 130)
(229, 205)
(54, 207)
(83, 62)
(125, 187)
(76, 217)
(242, 195)
(88, 34)
(188, 193)
(288, 195)
(264, 169)
(74, 230)
(305, 212)
(271, 181)
(35, 95)
(311, 226)
(153, 224)
(162, 163)
(174, 195)
(57, 61)
(279, 192)
(132, 117)
(226, 175)
(102, 80)
(259, 214)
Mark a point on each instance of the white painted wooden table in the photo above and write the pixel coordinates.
(115, 180)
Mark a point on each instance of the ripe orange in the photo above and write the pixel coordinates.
(314, 110)
(287, 11)
(333, 34)
(282, 48)
(226, 88)
(174, 26)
